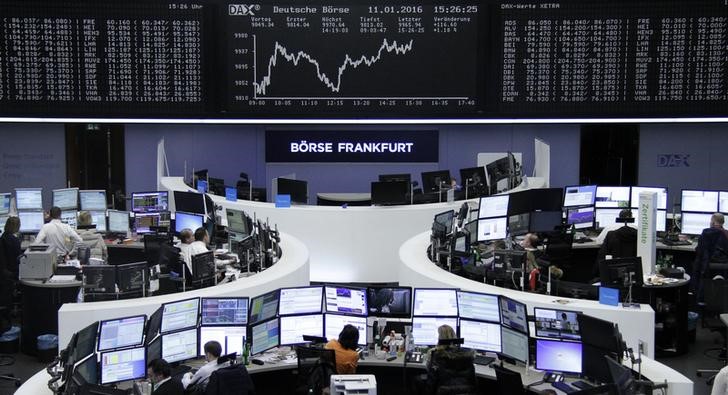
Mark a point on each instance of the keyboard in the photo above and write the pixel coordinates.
(483, 360)
(676, 242)
(582, 385)
(563, 387)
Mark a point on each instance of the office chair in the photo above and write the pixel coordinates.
(233, 379)
(558, 248)
(509, 382)
(452, 372)
(716, 303)
(315, 367)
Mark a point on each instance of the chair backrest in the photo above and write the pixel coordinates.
(716, 296)
(452, 371)
(232, 379)
(509, 382)
(315, 367)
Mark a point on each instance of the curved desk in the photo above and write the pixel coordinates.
(41, 301)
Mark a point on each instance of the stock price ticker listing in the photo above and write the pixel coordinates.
(356, 59)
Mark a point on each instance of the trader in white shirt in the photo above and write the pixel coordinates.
(186, 238)
(213, 350)
(58, 235)
(200, 244)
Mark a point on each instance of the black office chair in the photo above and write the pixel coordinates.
(558, 248)
(509, 382)
(452, 372)
(315, 367)
(233, 379)
(715, 303)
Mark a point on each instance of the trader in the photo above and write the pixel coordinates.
(57, 234)
(159, 373)
(199, 379)
(186, 238)
(712, 247)
(344, 348)
(91, 238)
(200, 244)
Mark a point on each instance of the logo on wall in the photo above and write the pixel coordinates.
(673, 160)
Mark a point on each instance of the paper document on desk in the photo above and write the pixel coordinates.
(62, 278)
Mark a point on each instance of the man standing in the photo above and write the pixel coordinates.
(58, 235)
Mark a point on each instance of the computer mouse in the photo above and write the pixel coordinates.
(257, 361)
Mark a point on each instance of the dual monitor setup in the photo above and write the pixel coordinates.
(697, 206)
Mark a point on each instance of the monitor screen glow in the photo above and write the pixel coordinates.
(581, 218)
(723, 202)
(93, 200)
(118, 221)
(4, 203)
(29, 199)
(513, 314)
(558, 356)
(180, 346)
(694, 223)
(558, 324)
(30, 221)
(300, 300)
(149, 202)
(390, 302)
(224, 311)
(579, 195)
(493, 206)
(295, 326)
(661, 196)
(263, 307)
(336, 322)
(424, 329)
(66, 199)
(264, 337)
(121, 332)
(435, 302)
(492, 229)
(231, 338)
(612, 197)
(346, 300)
(481, 336)
(187, 221)
(123, 365)
(180, 315)
(514, 344)
(478, 306)
(699, 201)
(69, 218)
(98, 218)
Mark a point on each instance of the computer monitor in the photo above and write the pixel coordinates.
(513, 314)
(478, 306)
(231, 338)
(616, 273)
(178, 315)
(99, 279)
(471, 228)
(432, 181)
(118, 222)
(395, 302)
(4, 203)
(301, 300)
(30, 221)
(180, 346)
(493, 206)
(556, 324)
(558, 356)
(661, 196)
(522, 202)
(238, 221)
(390, 193)
(123, 365)
(346, 300)
(88, 369)
(579, 195)
(606, 217)
(93, 200)
(203, 266)
(202, 186)
(263, 307)
(28, 199)
(514, 345)
(334, 323)
(66, 199)
(575, 290)
(297, 189)
(481, 336)
(492, 229)
(461, 245)
(98, 218)
(505, 261)
(475, 180)
(424, 329)
(144, 222)
(545, 221)
(187, 221)
(154, 349)
(85, 342)
(122, 254)
(435, 302)
(580, 217)
(395, 177)
(599, 333)
(132, 277)
(121, 332)
(150, 202)
(153, 325)
(518, 224)
(189, 202)
(699, 201)
(3, 220)
(70, 218)
(264, 336)
(612, 197)
(690, 223)
(446, 220)
(231, 311)
(723, 202)
(293, 328)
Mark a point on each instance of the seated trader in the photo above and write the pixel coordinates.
(159, 373)
(619, 243)
(199, 379)
(347, 358)
(534, 258)
(449, 368)
(91, 238)
(10, 248)
(615, 226)
(186, 238)
(712, 247)
(202, 239)
(58, 235)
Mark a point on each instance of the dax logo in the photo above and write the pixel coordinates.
(673, 160)
(243, 9)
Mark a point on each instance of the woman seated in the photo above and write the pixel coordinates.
(91, 238)
(344, 348)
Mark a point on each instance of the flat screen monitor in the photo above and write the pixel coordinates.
(132, 277)
(492, 229)
(461, 245)
(118, 222)
(29, 199)
(612, 197)
(293, 328)
(180, 346)
(189, 202)
(558, 356)
(424, 329)
(661, 196)
(513, 314)
(481, 336)
(203, 266)
(446, 220)
(660, 219)
(238, 221)
(4, 203)
(514, 344)
(518, 224)
(98, 218)
(264, 336)
(3, 220)
(122, 332)
(617, 272)
(30, 221)
(66, 199)
(154, 349)
(390, 193)
(556, 324)
(93, 200)
(345, 300)
(599, 333)
(202, 186)
(154, 323)
(493, 206)
(180, 315)
(393, 302)
(432, 181)
(123, 365)
(187, 221)
(522, 202)
(302, 300)
(471, 228)
(581, 217)
(690, 223)
(435, 302)
(395, 177)
(85, 342)
(545, 199)
(99, 279)
(143, 222)
(297, 189)
(579, 195)
(150, 202)
(70, 218)
(334, 323)
(88, 369)
(699, 201)
(224, 311)
(545, 221)
(723, 202)
(263, 307)
(606, 217)
(231, 338)
(478, 306)
(473, 176)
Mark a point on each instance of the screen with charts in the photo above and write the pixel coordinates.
(30, 221)
(492, 229)
(179, 346)
(558, 356)
(581, 218)
(187, 221)
(88, 369)
(493, 206)
(70, 218)
(231, 338)
(346, 300)
(263, 307)
(121, 332)
(608, 217)
(224, 311)
(481, 336)
(149, 202)
(478, 306)
(98, 218)
(661, 196)
(122, 365)
(336, 322)
(143, 222)
(295, 326)
(699, 201)
(390, 301)
(723, 202)
(264, 336)
(435, 302)
(579, 195)
(300, 300)
(66, 199)
(612, 197)
(180, 315)
(424, 329)
(29, 199)
(559, 324)
(5, 203)
(694, 223)
(118, 221)
(93, 200)
(513, 314)
(514, 344)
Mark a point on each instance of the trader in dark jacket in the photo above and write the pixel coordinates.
(619, 243)
(10, 247)
(159, 373)
(712, 247)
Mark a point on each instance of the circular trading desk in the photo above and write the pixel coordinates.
(45, 298)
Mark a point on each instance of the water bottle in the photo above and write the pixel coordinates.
(246, 354)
